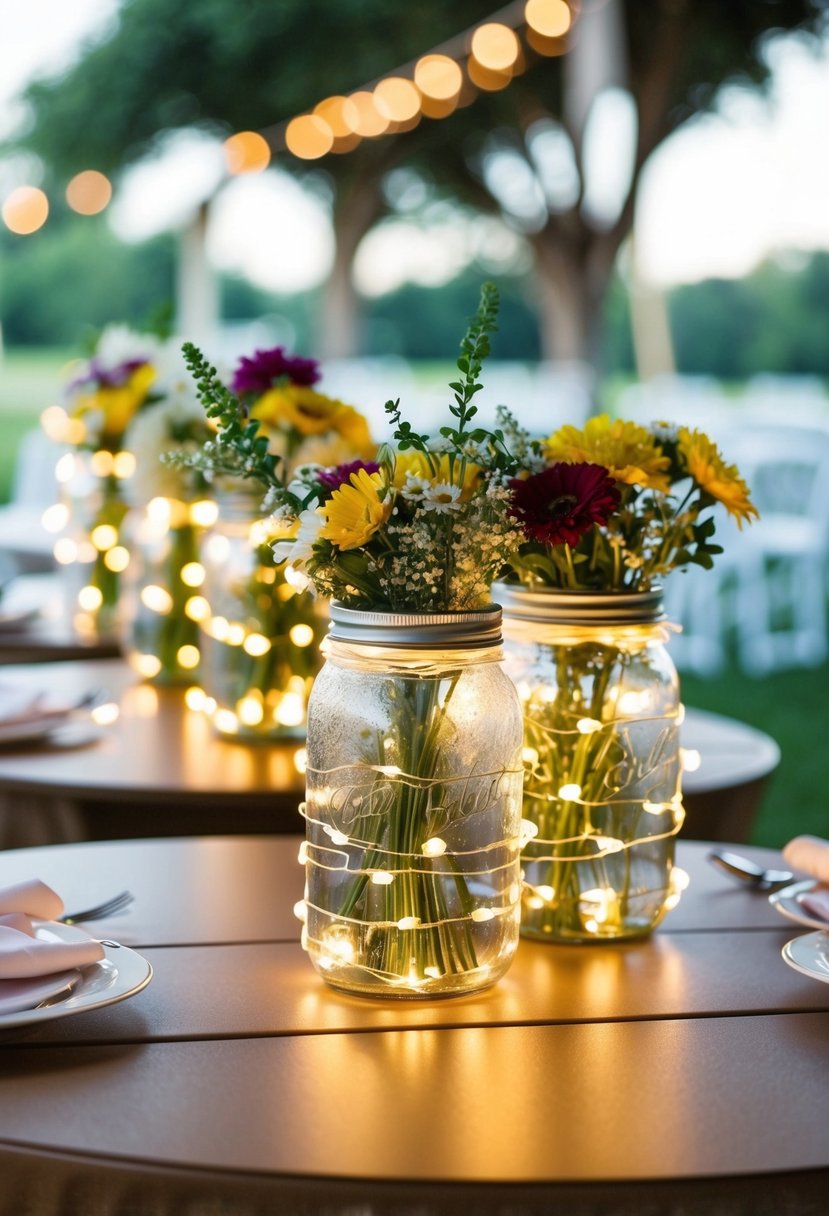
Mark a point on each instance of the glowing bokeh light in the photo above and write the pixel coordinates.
(89, 192)
(370, 121)
(495, 46)
(340, 113)
(550, 18)
(246, 152)
(25, 210)
(486, 78)
(397, 99)
(438, 77)
(309, 137)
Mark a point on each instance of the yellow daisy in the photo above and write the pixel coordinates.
(354, 512)
(303, 409)
(119, 404)
(722, 481)
(628, 451)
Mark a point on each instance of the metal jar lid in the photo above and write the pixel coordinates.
(551, 606)
(426, 630)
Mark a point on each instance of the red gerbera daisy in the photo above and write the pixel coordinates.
(560, 504)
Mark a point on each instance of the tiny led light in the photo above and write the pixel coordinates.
(54, 420)
(147, 665)
(482, 914)
(301, 759)
(123, 465)
(691, 759)
(382, 878)
(65, 551)
(188, 657)
(397, 99)
(90, 598)
(106, 714)
(204, 512)
(195, 698)
(301, 635)
(250, 710)
(256, 644)
(197, 608)
(235, 635)
(65, 468)
(55, 518)
(530, 756)
(101, 462)
(157, 599)
(569, 791)
(104, 537)
(192, 574)
(226, 721)
(291, 710)
(588, 726)
(433, 847)
(117, 559)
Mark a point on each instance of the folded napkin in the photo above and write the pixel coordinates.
(817, 903)
(809, 854)
(25, 959)
(19, 705)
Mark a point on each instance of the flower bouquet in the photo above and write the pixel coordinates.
(261, 628)
(414, 731)
(606, 512)
(102, 398)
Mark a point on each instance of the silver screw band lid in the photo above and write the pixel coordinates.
(551, 606)
(440, 630)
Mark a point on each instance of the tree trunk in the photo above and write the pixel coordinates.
(197, 290)
(571, 291)
(357, 206)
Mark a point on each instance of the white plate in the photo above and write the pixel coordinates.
(120, 974)
(809, 954)
(788, 903)
(13, 618)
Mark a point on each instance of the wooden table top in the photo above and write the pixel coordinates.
(160, 747)
(695, 1055)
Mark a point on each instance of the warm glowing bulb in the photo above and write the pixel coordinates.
(371, 121)
(382, 878)
(235, 635)
(256, 644)
(482, 914)
(104, 537)
(117, 559)
(246, 152)
(147, 665)
(90, 598)
(551, 18)
(569, 791)
(301, 635)
(408, 922)
(309, 137)
(106, 714)
(65, 551)
(397, 99)
(433, 847)
(690, 758)
(588, 726)
(192, 574)
(101, 463)
(55, 518)
(89, 192)
(54, 420)
(195, 698)
(197, 608)
(188, 657)
(495, 46)
(341, 115)
(204, 512)
(226, 721)
(25, 210)
(438, 76)
(250, 710)
(65, 468)
(123, 465)
(291, 710)
(301, 759)
(157, 599)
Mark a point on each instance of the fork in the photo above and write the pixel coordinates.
(110, 906)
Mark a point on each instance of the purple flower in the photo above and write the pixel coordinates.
(332, 479)
(265, 368)
(107, 377)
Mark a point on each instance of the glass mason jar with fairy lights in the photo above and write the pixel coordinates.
(600, 699)
(260, 628)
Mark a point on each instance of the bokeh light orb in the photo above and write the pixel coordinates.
(438, 77)
(25, 210)
(308, 137)
(246, 152)
(550, 18)
(495, 46)
(89, 192)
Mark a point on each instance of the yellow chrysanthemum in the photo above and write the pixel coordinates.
(722, 481)
(311, 413)
(117, 405)
(354, 512)
(416, 464)
(628, 451)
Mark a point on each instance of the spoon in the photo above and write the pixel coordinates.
(748, 872)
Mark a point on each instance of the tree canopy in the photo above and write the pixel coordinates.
(227, 67)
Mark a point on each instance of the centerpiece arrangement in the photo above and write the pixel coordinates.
(414, 731)
(260, 626)
(103, 396)
(606, 512)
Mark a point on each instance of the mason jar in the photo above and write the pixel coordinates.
(260, 628)
(162, 588)
(413, 805)
(89, 552)
(602, 760)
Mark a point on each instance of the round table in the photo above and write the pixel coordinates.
(682, 1073)
(161, 769)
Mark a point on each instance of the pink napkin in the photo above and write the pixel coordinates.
(19, 705)
(816, 902)
(26, 960)
(809, 854)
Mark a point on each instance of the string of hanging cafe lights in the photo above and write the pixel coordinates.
(485, 58)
